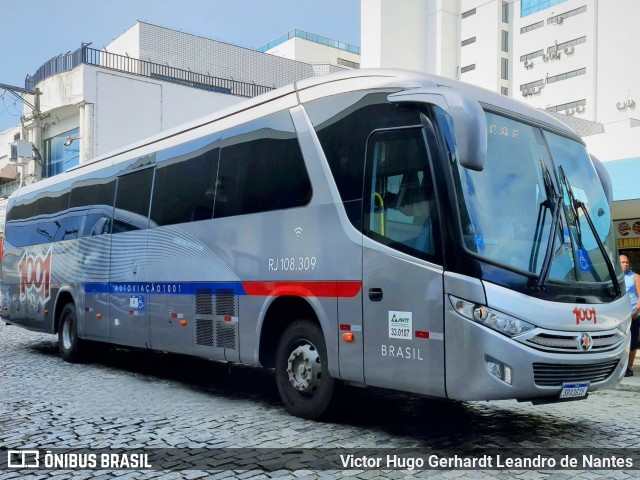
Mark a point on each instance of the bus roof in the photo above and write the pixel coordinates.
(311, 88)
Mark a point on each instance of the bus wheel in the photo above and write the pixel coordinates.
(69, 344)
(302, 375)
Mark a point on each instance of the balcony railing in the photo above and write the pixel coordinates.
(134, 66)
(6, 189)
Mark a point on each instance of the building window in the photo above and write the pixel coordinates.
(468, 13)
(59, 157)
(505, 41)
(527, 7)
(468, 68)
(468, 41)
(561, 46)
(528, 86)
(504, 91)
(529, 56)
(505, 12)
(567, 106)
(560, 18)
(504, 68)
(348, 63)
(533, 26)
(564, 76)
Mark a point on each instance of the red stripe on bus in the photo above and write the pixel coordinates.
(303, 289)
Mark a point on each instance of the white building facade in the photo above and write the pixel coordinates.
(572, 58)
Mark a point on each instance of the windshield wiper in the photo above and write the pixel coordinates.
(577, 204)
(552, 202)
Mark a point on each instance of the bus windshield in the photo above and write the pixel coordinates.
(521, 211)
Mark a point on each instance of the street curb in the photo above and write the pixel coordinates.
(628, 388)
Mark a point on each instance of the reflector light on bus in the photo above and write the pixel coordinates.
(348, 337)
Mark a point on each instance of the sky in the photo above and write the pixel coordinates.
(32, 32)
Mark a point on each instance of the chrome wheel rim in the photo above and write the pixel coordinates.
(304, 369)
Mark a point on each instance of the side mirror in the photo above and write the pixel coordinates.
(605, 179)
(469, 120)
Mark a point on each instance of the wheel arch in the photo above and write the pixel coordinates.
(64, 297)
(281, 313)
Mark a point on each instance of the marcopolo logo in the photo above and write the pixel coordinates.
(35, 274)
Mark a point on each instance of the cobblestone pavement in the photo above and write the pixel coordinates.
(134, 400)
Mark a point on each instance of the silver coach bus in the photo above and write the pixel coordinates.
(382, 228)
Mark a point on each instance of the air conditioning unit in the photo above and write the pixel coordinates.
(534, 90)
(621, 105)
(560, 20)
(631, 103)
(580, 108)
(568, 50)
(569, 111)
(545, 57)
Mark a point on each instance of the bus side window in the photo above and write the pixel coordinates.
(133, 196)
(400, 207)
(97, 224)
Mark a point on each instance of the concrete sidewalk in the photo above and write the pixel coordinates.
(632, 384)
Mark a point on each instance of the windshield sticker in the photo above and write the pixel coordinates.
(400, 325)
(584, 263)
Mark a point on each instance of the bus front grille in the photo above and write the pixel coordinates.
(554, 375)
(568, 342)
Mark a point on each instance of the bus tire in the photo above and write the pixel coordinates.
(301, 371)
(69, 345)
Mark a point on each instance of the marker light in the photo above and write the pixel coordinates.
(348, 337)
(498, 321)
(183, 322)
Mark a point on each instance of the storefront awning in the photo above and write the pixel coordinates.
(9, 171)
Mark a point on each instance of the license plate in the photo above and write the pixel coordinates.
(574, 390)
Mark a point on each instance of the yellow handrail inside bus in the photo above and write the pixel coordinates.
(378, 197)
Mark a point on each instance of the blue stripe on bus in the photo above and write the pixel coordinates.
(163, 288)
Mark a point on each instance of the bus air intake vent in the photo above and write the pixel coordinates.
(225, 335)
(204, 302)
(554, 375)
(204, 332)
(225, 302)
(569, 343)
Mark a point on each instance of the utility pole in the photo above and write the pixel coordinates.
(15, 90)
(36, 139)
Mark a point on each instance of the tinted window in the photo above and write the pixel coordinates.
(52, 203)
(400, 207)
(261, 168)
(93, 192)
(21, 211)
(343, 124)
(184, 190)
(132, 201)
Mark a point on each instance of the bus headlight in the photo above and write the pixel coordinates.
(500, 322)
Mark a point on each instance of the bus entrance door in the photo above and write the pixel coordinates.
(402, 281)
(403, 325)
